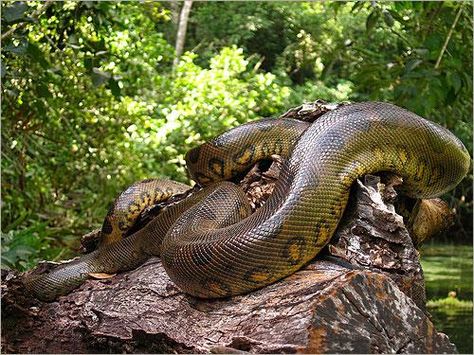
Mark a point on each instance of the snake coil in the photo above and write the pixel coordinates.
(210, 244)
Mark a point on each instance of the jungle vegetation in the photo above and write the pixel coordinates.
(94, 97)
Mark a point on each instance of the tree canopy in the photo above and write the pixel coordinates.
(92, 101)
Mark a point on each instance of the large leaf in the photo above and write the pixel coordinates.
(372, 20)
(37, 55)
(3, 70)
(388, 18)
(14, 12)
(114, 87)
(20, 49)
(412, 64)
(454, 81)
(99, 77)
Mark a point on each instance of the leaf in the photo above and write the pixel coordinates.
(89, 4)
(19, 50)
(412, 64)
(114, 87)
(99, 77)
(336, 5)
(422, 52)
(357, 5)
(7, 261)
(88, 63)
(14, 12)
(396, 16)
(372, 20)
(22, 251)
(387, 17)
(3, 70)
(402, 5)
(38, 55)
(434, 41)
(43, 91)
(454, 80)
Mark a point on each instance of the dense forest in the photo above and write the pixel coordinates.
(95, 98)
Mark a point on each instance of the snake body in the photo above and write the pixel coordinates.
(210, 244)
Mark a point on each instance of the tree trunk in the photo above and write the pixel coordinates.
(181, 34)
(363, 294)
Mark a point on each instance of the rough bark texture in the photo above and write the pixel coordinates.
(363, 294)
(324, 308)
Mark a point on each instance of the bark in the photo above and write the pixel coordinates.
(182, 25)
(363, 294)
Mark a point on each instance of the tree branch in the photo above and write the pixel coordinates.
(448, 37)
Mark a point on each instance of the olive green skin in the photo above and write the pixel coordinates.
(214, 248)
(126, 209)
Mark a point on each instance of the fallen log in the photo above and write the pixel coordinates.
(363, 294)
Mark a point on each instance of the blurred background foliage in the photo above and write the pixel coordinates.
(91, 101)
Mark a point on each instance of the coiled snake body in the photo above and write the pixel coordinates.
(210, 244)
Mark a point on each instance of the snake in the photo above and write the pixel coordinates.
(212, 245)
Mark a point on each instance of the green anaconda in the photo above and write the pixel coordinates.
(212, 246)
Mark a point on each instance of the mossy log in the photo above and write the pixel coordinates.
(363, 294)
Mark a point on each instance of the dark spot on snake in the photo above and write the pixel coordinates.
(134, 208)
(193, 155)
(294, 250)
(420, 170)
(364, 125)
(276, 227)
(265, 150)
(123, 226)
(202, 178)
(146, 181)
(106, 227)
(278, 146)
(438, 148)
(321, 234)
(216, 165)
(437, 174)
(258, 274)
(245, 155)
(111, 209)
(145, 196)
(234, 172)
(158, 193)
(217, 288)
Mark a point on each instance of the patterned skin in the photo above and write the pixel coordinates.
(210, 244)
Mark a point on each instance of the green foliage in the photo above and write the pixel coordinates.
(21, 248)
(449, 302)
(199, 102)
(91, 102)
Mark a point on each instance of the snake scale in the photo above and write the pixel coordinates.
(212, 246)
